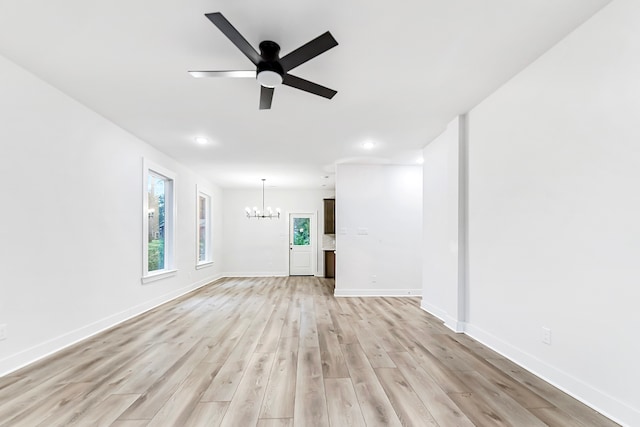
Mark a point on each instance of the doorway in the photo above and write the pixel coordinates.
(301, 244)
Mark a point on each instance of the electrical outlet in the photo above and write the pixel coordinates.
(3, 332)
(546, 335)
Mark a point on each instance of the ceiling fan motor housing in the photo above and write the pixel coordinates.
(270, 72)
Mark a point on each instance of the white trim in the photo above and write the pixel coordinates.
(378, 292)
(207, 194)
(585, 393)
(204, 265)
(43, 350)
(456, 326)
(463, 226)
(433, 310)
(160, 274)
(236, 274)
(449, 321)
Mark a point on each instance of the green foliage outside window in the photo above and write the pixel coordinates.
(301, 235)
(156, 247)
(156, 255)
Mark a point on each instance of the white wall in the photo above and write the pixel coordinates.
(71, 222)
(255, 247)
(554, 208)
(443, 281)
(385, 202)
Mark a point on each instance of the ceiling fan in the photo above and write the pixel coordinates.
(271, 70)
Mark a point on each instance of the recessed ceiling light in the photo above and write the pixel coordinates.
(201, 140)
(367, 145)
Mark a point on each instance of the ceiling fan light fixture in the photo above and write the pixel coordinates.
(271, 70)
(268, 78)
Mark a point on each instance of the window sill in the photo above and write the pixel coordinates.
(158, 276)
(204, 265)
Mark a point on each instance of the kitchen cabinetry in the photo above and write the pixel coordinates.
(329, 216)
(329, 238)
(329, 264)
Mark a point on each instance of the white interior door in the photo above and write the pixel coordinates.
(300, 245)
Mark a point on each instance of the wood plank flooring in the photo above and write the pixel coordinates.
(283, 352)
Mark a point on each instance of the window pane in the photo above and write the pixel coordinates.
(202, 228)
(301, 236)
(156, 186)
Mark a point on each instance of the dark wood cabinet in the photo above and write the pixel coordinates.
(329, 216)
(329, 264)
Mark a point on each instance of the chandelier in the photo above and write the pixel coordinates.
(268, 213)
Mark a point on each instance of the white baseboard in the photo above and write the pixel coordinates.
(626, 415)
(377, 292)
(47, 348)
(255, 274)
(264, 274)
(434, 310)
(450, 322)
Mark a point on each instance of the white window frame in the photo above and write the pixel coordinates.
(206, 193)
(169, 222)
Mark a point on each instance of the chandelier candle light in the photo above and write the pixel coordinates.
(268, 213)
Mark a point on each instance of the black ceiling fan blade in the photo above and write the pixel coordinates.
(308, 86)
(228, 73)
(308, 51)
(266, 96)
(232, 34)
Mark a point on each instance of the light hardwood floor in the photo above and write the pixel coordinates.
(283, 352)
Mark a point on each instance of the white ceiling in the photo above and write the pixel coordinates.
(402, 71)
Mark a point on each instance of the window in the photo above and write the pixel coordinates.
(156, 186)
(159, 220)
(203, 240)
(301, 234)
